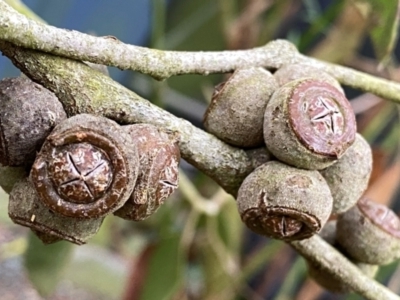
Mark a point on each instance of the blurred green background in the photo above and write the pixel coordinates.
(195, 246)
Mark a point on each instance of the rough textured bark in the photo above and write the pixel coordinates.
(159, 64)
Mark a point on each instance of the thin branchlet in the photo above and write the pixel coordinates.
(21, 31)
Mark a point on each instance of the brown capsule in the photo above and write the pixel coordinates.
(324, 279)
(28, 113)
(87, 167)
(348, 177)
(309, 124)
(283, 202)
(236, 112)
(370, 233)
(26, 209)
(158, 172)
(291, 72)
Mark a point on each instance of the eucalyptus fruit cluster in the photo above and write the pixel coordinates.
(65, 175)
(310, 163)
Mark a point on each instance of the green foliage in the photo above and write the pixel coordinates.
(384, 33)
(46, 263)
(165, 270)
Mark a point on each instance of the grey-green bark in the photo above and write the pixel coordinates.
(319, 252)
(108, 50)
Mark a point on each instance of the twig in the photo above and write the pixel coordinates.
(198, 202)
(21, 31)
(331, 261)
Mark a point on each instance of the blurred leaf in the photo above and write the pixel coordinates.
(135, 281)
(384, 188)
(218, 283)
(191, 22)
(376, 125)
(385, 272)
(261, 258)
(344, 38)
(103, 236)
(165, 271)
(320, 23)
(385, 27)
(275, 18)
(391, 141)
(228, 11)
(231, 227)
(97, 270)
(196, 22)
(295, 276)
(194, 25)
(45, 263)
(394, 282)
(158, 24)
(312, 10)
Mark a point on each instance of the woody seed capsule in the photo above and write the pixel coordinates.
(236, 112)
(283, 202)
(370, 233)
(308, 124)
(159, 158)
(87, 167)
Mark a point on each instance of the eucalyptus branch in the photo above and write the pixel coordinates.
(21, 31)
(84, 90)
(27, 33)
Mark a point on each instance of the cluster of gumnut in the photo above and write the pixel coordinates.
(310, 164)
(64, 175)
